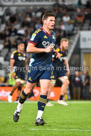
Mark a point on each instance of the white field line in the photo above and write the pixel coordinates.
(80, 130)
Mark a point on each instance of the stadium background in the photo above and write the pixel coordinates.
(19, 18)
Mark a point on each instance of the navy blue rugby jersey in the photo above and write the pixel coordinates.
(57, 61)
(42, 39)
(19, 58)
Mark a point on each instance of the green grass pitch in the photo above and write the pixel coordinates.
(71, 120)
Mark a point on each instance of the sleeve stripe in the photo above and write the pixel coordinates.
(32, 42)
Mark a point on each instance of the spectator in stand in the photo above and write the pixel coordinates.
(13, 31)
(7, 43)
(1, 80)
(66, 18)
(88, 4)
(28, 18)
(80, 18)
(77, 86)
(61, 28)
(38, 24)
(60, 13)
(24, 40)
(9, 26)
(21, 31)
(82, 76)
(32, 23)
(79, 4)
(3, 35)
(71, 77)
(64, 4)
(25, 23)
(56, 5)
(19, 16)
(12, 18)
(28, 31)
(29, 12)
(16, 25)
(86, 85)
(69, 27)
(13, 43)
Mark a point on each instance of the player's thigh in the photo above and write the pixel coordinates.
(29, 87)
(44, 84)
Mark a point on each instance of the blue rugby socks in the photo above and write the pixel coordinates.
(61, 97)
(23, 97)
(41, 105)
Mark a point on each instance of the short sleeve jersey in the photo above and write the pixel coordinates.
(19, 58)
(57, 61)
(41, 39)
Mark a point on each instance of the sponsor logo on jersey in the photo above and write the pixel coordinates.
(47, 43)
(32, 38)
(53, 37)
(45, 37)
(29, 79)
(21, 58)
(19, 54)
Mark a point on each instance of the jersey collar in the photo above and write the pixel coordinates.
(49, 34)
(19, 51)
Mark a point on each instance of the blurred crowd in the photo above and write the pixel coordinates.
(24, 21)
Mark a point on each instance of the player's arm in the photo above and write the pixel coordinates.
(12, 61)
(67, 66)
(31, 48)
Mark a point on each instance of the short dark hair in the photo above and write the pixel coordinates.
(46, 15)
(20, 41)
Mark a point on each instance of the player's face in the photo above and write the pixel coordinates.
(21, 47)
(50, 22)
(65, 45)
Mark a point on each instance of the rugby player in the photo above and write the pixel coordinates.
(41, 46)
(17, 69)
(61, 70)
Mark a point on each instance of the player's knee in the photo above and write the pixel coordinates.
(27, 90)
(18, 83)
(66, 82)
(44, 92)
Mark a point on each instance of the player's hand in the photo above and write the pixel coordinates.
(12, 75)
(57, 55)
(48, 49)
